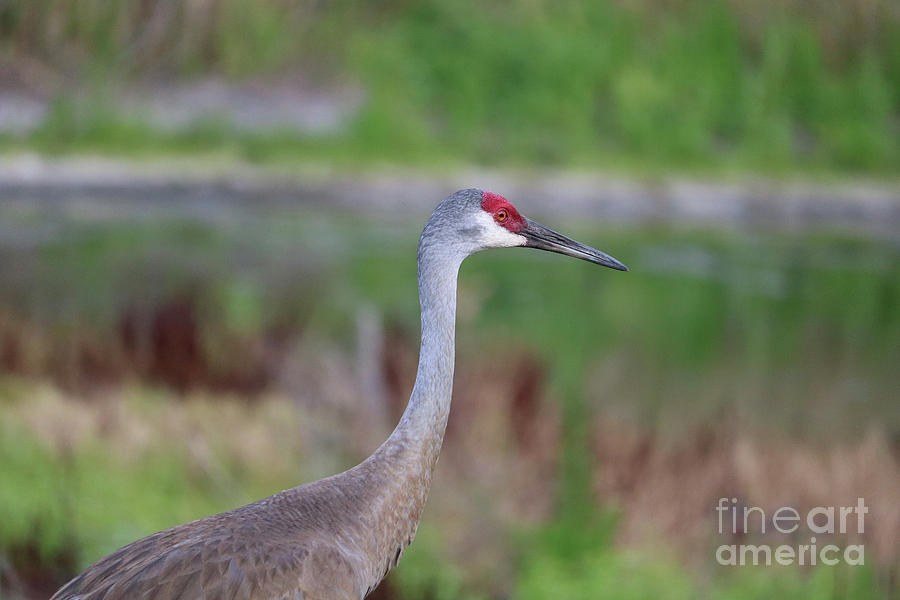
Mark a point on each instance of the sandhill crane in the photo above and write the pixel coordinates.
(336, 538)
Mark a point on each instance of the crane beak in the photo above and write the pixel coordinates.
(544, 238)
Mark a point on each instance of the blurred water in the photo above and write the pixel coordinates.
(102, 188)
(801, 305)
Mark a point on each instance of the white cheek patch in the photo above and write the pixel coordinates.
(497, 236)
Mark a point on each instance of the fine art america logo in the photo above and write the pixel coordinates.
(818, 521)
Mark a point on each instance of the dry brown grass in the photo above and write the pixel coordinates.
(668, 489)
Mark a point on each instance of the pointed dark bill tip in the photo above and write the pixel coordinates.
(543, 238)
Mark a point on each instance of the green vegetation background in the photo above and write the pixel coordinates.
(720, 85)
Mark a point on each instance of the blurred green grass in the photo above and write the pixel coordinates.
(94, 494)
(715, 86)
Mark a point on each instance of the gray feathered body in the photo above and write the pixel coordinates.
(335, 538)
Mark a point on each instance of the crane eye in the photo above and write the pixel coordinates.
(501, 215)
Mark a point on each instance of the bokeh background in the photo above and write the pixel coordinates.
(208, 218)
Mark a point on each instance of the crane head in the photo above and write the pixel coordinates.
(473, 220)
(504, 226)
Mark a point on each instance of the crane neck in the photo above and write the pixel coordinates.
(399, 473)
(423, 422)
